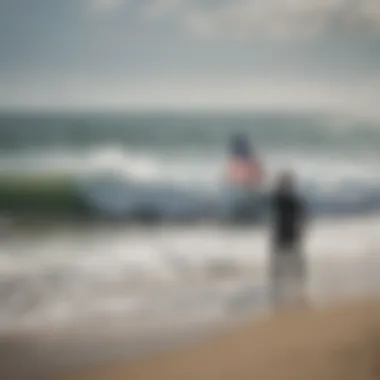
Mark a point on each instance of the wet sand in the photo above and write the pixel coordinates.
(339, 342)
(46, 353)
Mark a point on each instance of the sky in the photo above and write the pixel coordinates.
(190, 54)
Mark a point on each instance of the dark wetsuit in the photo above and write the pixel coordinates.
(289, 217)
(287, 261)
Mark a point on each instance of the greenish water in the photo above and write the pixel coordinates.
(44, 195)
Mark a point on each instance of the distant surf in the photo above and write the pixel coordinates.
(173, 165)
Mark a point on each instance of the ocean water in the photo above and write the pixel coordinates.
(67, 277)
(177, 161)
(65, 274)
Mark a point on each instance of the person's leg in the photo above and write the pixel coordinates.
(276, 278)
(287, 275)
(298, 274)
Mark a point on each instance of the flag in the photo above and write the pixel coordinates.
(244, 168)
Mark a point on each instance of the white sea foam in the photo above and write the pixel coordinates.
(71, 275)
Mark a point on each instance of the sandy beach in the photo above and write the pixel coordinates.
(338, 342)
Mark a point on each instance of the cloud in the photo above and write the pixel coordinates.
(274, 18)
(105, 6)
(161, 8)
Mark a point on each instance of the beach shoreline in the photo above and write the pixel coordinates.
(336, 342)
(115, 348)
(176, 280)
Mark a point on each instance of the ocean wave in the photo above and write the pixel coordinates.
(115, 181)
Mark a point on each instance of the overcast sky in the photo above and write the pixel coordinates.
(190, 54)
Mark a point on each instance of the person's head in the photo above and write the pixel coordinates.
(286, 182)
(241, 146)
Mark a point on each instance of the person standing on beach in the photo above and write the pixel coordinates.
(245, 175)
(287, 261)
